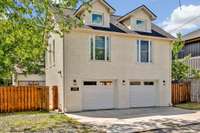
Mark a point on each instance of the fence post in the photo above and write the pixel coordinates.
(55, 97)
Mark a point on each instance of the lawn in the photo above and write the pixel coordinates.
(190, 106)
(42, 122)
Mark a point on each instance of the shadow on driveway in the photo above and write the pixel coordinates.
(160, 126)
(162, 119)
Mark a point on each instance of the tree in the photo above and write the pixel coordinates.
(24, 30)
(180, 68)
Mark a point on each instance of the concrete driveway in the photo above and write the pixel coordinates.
(164, 119)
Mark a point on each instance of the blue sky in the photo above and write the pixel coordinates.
(169, 15)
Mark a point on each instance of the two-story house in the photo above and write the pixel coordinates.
(192, 47)
(111, 62)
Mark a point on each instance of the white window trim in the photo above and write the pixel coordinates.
(94, 44)
(99, 13)
(150, 60)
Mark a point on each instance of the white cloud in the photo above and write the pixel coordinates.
(186, 18)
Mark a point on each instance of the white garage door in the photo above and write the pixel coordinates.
(97, 95)
(143, 93)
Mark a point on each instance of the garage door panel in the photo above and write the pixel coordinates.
(97, 97)
(143, 95)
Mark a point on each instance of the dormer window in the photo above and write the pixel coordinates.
(140, 22)
(140, 25)
(97, 18)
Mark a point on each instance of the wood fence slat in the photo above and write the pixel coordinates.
(6, 100)
(1, 97)
(25, 98)
(34, 97)
(12, 99)
(47, 105)
(15, 99)
(18, 99)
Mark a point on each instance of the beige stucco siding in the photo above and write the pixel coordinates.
(54, 72)
(123, 66)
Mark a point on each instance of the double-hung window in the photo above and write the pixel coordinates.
(97, 18)
(100, 48)
(51, 53)
(144, 51)
(54, 52)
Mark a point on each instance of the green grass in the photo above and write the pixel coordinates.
(189, 106)
(39, 122)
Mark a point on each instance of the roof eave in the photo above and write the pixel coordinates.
(125, 34)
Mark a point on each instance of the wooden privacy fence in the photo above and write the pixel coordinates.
(24, 98)
(181, 92)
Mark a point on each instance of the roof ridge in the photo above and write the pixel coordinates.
(137, 9)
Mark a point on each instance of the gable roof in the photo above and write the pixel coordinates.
(192, 35)
(153, 16)
(116, 26)
(91, 1)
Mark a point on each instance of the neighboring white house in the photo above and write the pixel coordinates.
(111, 62)
(30, 79)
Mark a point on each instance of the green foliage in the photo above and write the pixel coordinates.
(24, 30)
(180, 68)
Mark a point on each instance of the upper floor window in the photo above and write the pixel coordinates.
(100, 48)
(144, 51)
(97, 18)
(54, 51)
(51, 53)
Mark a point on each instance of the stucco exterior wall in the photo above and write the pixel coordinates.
(99, 8)
(123, 66)
(54, 73)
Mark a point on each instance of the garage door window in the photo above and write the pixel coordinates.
(149, 83)
(135, 83)
(106, 83)
(89, 83)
